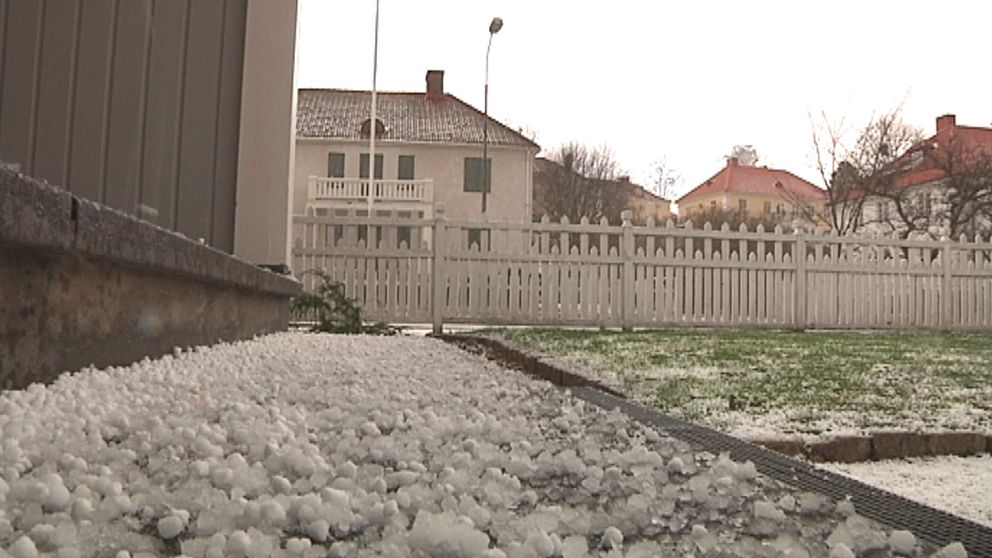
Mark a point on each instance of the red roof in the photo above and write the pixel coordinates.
(952, 144)
(740, 179)
(340, 114)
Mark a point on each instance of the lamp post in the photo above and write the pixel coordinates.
(494, 26)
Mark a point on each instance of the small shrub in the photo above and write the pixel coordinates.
(335, 312)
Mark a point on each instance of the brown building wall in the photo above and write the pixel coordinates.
(131, 103)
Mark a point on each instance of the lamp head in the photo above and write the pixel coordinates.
(495, 25)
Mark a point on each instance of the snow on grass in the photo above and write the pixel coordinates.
(761, 383)
(953, 484)
(317, 445)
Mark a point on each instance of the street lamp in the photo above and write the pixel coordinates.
(494, 26)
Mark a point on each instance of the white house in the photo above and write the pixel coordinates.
(955, 161)
(428, 150)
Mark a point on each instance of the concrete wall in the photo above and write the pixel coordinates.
(84, 284)
(510, 200)
(180, 111)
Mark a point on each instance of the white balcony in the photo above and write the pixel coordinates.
(332, 192)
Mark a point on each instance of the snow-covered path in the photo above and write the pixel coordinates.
(314, 445)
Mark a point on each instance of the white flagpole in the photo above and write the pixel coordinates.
(373, 120)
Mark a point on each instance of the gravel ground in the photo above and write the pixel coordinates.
(959, 485)
(318, 445)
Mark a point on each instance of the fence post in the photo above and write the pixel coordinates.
(946, 315)
(627, 271)
(438, 279)
(799, 295)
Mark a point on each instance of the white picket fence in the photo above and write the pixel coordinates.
(652, 276)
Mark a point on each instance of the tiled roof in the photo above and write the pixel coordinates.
(339, 114)
(961, 142)
(740, 179)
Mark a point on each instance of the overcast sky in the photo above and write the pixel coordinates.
(682, 80)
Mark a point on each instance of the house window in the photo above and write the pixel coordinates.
(742, 205)
(926, 208)
(767, 209)
(335, 165)
(478, 238)
(366, 128)
(406, 167)
(712, 204)
(916, 159)
(403, 235)
(780, 209)
(475, 180)
(363, 166)
(363, 235)
(883, 210)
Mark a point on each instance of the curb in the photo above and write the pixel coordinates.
(533, 364)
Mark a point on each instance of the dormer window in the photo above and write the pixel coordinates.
(365, 130)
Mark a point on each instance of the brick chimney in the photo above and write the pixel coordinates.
(435, 85)
(732, 161)
(945, 122)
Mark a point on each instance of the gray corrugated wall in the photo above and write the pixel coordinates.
(129, 103)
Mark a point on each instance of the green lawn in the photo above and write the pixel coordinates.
(761, 382)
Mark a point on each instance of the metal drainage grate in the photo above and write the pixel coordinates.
(931, 525)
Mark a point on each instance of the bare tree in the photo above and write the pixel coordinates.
(746, 155)
(967, 201)
(578, 181)
(666, 179)
(528, 132)
(852, 172)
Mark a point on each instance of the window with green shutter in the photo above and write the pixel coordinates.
(475, 179)
(335, 165)
(363, 166)
(406, 167)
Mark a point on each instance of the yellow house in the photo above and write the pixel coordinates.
(428, 150)
(757, 193)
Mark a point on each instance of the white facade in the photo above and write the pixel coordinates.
(926, 203)
(440, 165)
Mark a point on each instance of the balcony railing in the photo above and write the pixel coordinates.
(357, 189)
